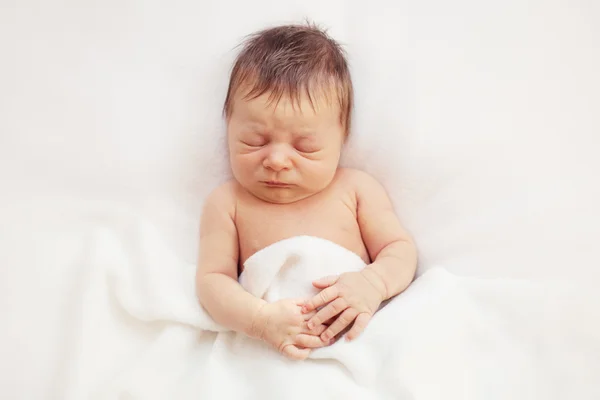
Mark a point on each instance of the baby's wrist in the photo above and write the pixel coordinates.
(259, 322)
(376, 280)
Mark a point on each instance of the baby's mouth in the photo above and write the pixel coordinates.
(276, 184)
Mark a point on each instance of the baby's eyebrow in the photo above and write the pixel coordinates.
(253, 124)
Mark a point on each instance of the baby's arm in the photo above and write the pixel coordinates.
(216, 279)
(280, 324)
(354, 297)
(392, 250)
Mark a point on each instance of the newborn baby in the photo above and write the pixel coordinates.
(288, 112)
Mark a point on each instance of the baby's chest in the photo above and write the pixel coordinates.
(261, 227)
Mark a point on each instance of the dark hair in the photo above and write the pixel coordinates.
(290, 59)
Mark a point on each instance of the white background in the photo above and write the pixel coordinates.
(481, 118)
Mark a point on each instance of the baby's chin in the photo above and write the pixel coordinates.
(284, 195)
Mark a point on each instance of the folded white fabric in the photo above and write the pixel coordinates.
(445, 337)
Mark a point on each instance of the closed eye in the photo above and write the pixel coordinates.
(254, 141)
(253, 144)
(307, 150)
(306, 146)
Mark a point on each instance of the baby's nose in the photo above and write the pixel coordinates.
(277, 159)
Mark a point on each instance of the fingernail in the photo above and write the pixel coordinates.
(311, 324)
(325, 336)
(304, 309)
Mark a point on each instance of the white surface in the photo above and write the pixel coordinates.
(446, 336)
(486, 116)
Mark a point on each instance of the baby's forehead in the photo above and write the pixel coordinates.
(302, 111)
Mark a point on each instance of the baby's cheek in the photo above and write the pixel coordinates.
(322, 171)
(246, 162)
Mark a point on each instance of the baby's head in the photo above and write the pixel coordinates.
(288, 111)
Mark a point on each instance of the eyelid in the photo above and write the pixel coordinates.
(253, 144)
(310, 149)
(305, 143)
(254, 140)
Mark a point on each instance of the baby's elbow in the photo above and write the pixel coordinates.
(408, 243)
(202, 287)
(412, 245)
(407, 253)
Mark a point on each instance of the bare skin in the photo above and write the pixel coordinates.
(330, 214)
(285, 165)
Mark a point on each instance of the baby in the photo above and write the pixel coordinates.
(288, 111)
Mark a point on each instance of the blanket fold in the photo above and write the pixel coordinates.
(445, 337)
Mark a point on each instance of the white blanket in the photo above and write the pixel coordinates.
(445, 337)
(479, 117)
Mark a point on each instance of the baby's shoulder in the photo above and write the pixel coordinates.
(357, 180)
(223, 197)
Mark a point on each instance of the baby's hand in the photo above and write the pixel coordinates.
(283, 325)
(354, 296)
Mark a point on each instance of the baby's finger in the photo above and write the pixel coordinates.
(333, 309)
(310, 341)
(309, 315)
(359, 326)
(325, 282)
(340, 324)
(317, 330)
(295, 353)
(324, 297)
(300, 301)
